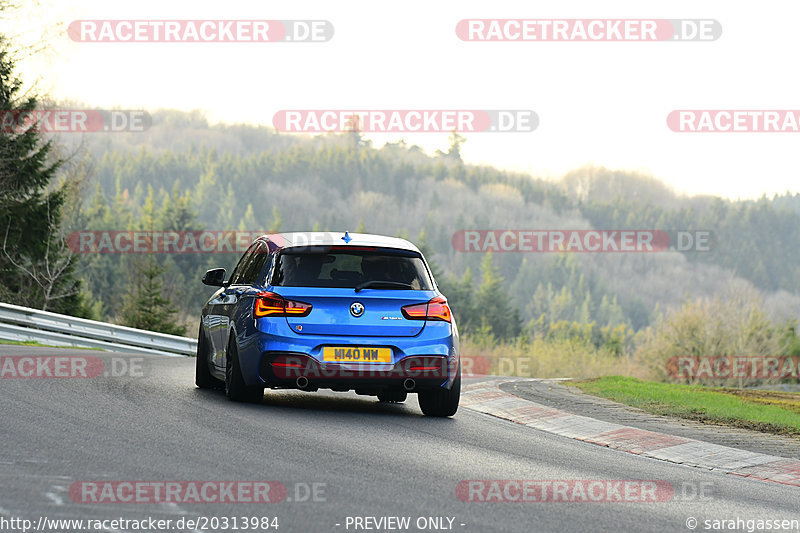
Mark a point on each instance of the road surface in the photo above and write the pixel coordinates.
(345, 457)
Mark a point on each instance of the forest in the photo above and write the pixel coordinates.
(185, 174)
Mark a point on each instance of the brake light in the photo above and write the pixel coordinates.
(435, 309)
(271, 304)
(415, 311)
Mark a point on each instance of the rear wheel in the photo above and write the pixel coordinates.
(202, 376)
(235, 387)
(392, 396)
(441, 402)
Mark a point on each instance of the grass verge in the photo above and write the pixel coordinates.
(34, 343)
(767, 411)
(20, 343)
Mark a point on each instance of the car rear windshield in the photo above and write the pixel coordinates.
(349, 267)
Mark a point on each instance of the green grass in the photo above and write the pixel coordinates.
(757, 410)
(20, 343)
(34, 343)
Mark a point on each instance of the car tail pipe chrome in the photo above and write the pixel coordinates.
(301, 382)
(409, 384)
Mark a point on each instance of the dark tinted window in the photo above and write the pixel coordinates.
(317, 266)
(251, 265)
(256, 264)
(236, 275)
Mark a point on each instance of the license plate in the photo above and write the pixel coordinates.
(356, 354)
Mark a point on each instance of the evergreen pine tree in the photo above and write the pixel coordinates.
(36, 265)
(145, 306)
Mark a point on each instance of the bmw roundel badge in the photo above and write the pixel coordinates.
(356, 309)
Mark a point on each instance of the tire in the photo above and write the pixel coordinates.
(202, 376)
(235, 388)
(397, 396)
(441, 402)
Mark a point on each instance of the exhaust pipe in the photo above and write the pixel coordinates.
(301, 382)
(409, 384)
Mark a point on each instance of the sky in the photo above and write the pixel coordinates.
(598, 103)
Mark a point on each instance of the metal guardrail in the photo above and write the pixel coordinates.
(25, 324)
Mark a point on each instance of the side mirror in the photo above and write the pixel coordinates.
(214, 277)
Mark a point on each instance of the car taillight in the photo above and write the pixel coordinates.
(271, 304)
(435, 309)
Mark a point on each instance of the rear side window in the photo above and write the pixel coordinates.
(237, 276)
(251, 265)
(346, 267)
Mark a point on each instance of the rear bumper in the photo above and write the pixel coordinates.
(413, 373)
(436, 345)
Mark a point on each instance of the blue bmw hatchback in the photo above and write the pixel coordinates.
(342, 311)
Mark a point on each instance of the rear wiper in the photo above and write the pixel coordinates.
(383, 285)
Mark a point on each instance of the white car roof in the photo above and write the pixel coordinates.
(337, 238)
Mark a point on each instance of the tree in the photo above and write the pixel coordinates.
(145, 306)
(427, 252)
(355, 138)
(734, 323)
(456, 140)
(494, 304)
(460, 295)
(36, 265)
(277, 221)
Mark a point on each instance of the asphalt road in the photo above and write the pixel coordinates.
(367, 459)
